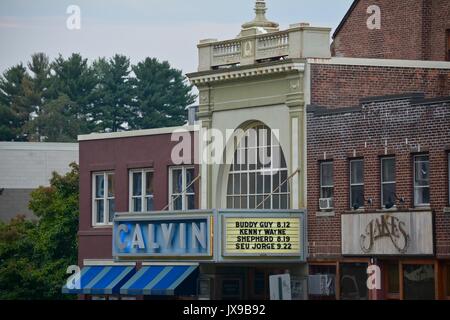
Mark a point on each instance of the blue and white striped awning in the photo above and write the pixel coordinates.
(99, 280)
(160, 280)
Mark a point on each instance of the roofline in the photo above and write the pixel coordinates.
(39, 146)
(344, 20)
(394, 63)
(136, 133)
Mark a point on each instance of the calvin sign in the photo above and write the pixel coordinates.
(397, 233)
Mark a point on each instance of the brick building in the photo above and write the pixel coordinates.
(409, 29)
(399, 135)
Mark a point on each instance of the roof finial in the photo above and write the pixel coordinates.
(260, 22)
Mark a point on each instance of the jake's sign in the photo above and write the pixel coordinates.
(162, 236)
(397, 233)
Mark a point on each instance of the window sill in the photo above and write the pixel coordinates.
(325, 214)
(352, 211)
(106, 226)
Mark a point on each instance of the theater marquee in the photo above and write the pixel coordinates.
(268, 236)
(211, 236)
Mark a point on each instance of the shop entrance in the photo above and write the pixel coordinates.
(243, 282)
(409, 280)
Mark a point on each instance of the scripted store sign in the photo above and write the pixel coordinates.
(397, 233)
(162, 236)
(245, 236)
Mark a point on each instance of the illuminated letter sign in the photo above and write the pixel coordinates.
(162, 237)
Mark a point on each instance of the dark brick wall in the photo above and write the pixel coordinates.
(400, 127)
(344, 85)
(410, 29)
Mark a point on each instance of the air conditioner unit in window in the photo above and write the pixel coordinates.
(321, 285)
(326, 203)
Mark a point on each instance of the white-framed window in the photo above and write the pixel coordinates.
(181, 188)
(258, 176)
(421, 180)
(357, 184)
(388, 182)
(141, 190)
(103, 205)
(326, 180)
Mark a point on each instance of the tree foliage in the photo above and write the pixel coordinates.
(34, 256)
(57, 100)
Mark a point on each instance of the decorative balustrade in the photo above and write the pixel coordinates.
(252, 49)
(270, 46)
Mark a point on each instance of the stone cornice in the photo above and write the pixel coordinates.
(239, 73)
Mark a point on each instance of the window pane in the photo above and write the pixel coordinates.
(229, 202)
(276, 201)
(267, 183)
(421, 172)
(357, 196)
(191, 202)
(100, 211)
(112, 210)
(393, 278)
(284, 201)
(326, 193)
(388, 170)
(230, 184)
(177, 181)
(357, 171)
(237, 183)
(354, 281)
(237, 203)
(137, 204)
(252, 202)
(149, 183)
(388, 194)
(149, 204)
(244, 183)
(283, 178)
(189, 179)
(137, 184)
(110, 185)
(99, 186)
(418, 282)
(327, 174)
(422, 195)
(276, 182)
(252, 183)
(259, 183)
(177, 203)
(244, 203)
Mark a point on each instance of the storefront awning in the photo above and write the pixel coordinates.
(100, 280)
(162, 280)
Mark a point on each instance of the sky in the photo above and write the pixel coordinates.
(165, 29)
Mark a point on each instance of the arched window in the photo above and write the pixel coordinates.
(258, 174)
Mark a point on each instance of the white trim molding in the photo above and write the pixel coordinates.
(382, 63)
(137, 133)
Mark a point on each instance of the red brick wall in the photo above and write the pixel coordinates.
(119, 155)
(344, 85)
(400, 124)
(410, 29)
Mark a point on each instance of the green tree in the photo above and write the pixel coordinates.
(14, 111)
(34, 255)
(74, 78)
(114, 107)
(162, 95)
